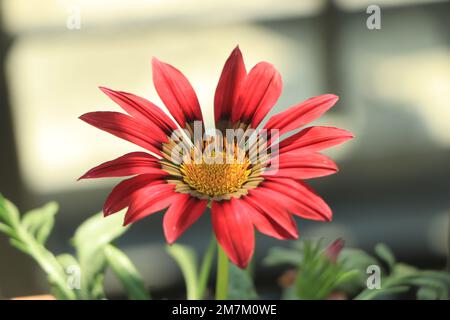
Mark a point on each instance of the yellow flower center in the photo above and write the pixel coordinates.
(216, 178)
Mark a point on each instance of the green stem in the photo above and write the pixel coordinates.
(205, 268)
(222, 274)
(48, 263)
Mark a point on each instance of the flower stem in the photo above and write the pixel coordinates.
(222, 274)
(205, 268)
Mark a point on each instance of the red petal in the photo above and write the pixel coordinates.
(127, 128)
(300, 165)
(150, 199)
(315, 139)
(273, 221)
(310, 205)
(301, 114)
(141, 109)
(126, 165)
(230, 81)
(234, 231)
(259, 92)
(120, 196)
(181, 215)
(176, 92)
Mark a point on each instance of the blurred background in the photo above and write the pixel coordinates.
(393, 84)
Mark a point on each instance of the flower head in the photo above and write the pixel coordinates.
(248, 177)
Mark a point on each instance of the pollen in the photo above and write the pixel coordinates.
(218, 177)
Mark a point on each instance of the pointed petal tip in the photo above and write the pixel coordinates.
(126, 222)
(170, 241)
(242, 264)
(332, 96)
(106, 212)
(237, 50)
(107, 91)
(155, 60)
(85, 117)
(346, 133)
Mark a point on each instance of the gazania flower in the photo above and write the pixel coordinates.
(242, 194)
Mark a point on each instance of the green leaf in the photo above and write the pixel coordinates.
(67, 260)
(89, 241)
(278, 256)
(438, 275)
(427, 293)
(356, 259)
(9, 213)
(72, 270)
(187, 261)
(7, 230)
(240, 285)
(372, 294)
(345, 277)
(39, 222)
(127, 273)
(385, 254)
(26, 241)
(19, 245)
(205, 268)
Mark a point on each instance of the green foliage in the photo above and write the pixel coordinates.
(317, 277)
(195, 278)
(281, 256)
(94, 254)
(126, 272)
(186, 259)
(90, 240)
(29, 235)
(429, 285)
(240, 284)
(385, 254)
(39, 222)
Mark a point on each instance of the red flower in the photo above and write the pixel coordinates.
(242, 194)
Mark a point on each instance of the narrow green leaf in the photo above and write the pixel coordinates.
(373, 294)
(19, 245)
(240, 285)
(385, 254)
(205, 268)
(72, 271)
(39, 222)
(127, 273)
(427, 293)
(347, 277)
(89, 241)
(7, 230)
(187, 261)
(67, 260)
(9, 213)
(278, 256)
